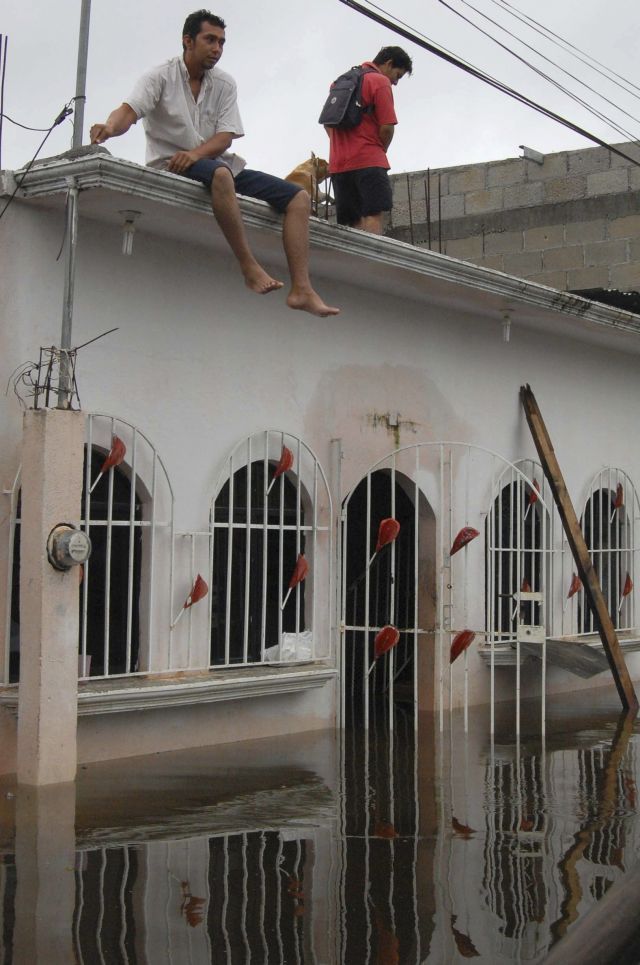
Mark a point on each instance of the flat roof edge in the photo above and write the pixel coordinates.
(102, 170)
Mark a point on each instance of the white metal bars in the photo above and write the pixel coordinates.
(444, 488)
(271, 506)
(202, 898)
(520, 540)
(608, 523)
(127, 581)
(380, 582)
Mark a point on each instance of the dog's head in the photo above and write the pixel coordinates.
(320, 167)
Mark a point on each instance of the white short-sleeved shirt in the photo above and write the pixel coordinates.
(175, 121)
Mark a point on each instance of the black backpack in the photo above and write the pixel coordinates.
(343, 107)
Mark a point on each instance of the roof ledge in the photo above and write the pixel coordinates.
(94, 167)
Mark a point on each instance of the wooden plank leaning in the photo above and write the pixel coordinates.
(584, 565)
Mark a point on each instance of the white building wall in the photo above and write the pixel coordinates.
(199, 363)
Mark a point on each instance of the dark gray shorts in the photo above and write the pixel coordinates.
(361, 193)
(252, 184)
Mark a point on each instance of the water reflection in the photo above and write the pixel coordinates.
(405, 844)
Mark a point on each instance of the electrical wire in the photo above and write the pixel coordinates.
(559, 67)
(3, 61)
(592, 110)
(411, 35)
(64, 113)
(568, 47)
(24, 127)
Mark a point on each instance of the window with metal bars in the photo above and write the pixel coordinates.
(258, 539)
(608, 528)
(115, 560)
(518, 545)
(116, 555)
(270, 554)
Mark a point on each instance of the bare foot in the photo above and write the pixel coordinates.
(310, 301)
(259, 281)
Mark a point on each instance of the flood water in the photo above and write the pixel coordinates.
(409, 844)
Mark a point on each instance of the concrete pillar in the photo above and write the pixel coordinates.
(52, 464)
(45, 868)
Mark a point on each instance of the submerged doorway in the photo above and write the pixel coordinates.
(391, 587)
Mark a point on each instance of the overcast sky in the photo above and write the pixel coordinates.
(283, 55)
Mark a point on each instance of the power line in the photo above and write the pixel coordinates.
(539, 53)
(24, 127)
(568, 47)
(485, 78)
(3, 62)
(64, 113)
(579, 100)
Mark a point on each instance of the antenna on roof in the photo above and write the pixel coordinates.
(81, 73)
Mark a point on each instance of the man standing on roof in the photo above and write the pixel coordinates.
(191, 118)
(358, 161)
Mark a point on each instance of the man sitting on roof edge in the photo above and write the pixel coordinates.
(191, 117)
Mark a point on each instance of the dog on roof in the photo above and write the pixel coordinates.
(309, 175)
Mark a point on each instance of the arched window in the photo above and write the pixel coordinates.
(519, 541)
(271, 555)
(381, 588)
(608, 528)
(127, 508)
(110, 589)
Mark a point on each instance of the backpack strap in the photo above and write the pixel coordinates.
(367, 70)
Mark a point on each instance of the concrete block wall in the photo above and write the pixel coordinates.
(571, 222)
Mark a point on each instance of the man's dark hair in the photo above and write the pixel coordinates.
(397, 56)
(194, 21)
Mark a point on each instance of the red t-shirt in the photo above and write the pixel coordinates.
(361, 147)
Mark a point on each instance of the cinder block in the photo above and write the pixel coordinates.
(590, 160)
(627, 147)
(417, 187)
(399, 189)
(634, 250)
(551, 236)
(441, 180)
(505, 172)
(628, 227)
(606, 253)
(523, 195)
(552, 279)
(585, 231)
(524, 264)
(587, 278)
(468, 179)
(565, 189)
(608, 182)
(479, 202)
(626, 277)
(561, 259)
(465, 249)
(452, 206)
(634, 178)
(502, 241)
(416, 210)
(554, 166)
(400, 214)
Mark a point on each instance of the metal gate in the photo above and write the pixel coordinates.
(444, 545)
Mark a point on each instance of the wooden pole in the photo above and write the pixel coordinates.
(586, 571)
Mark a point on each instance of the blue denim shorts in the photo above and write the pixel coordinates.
(252, 184)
